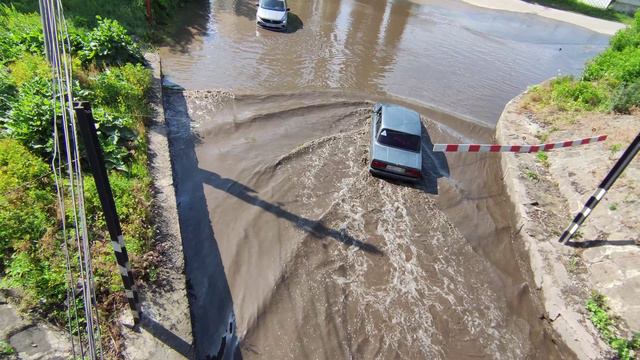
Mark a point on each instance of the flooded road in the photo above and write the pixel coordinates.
(292, 250)
(450, 55)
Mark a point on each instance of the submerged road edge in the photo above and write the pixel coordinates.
(165, 331)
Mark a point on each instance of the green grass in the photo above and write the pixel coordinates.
(130, 13)
(582, 8)
(543, 159)
(574, 262)
(607, 327)
(531, 175)
(610, 81)
(6, 348)
(31, 243)
(615, 148)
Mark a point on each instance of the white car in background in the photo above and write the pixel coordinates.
(272, 14)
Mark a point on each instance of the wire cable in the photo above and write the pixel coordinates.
(57, 49)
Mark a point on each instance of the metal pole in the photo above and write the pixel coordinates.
(87, 127)
(149, 16)
(611, 177)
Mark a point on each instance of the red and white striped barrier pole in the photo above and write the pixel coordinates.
(515, 148)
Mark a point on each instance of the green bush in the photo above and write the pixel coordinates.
(109, 44)
(43, 281)
(124, 88)
(19, 33)
(569, 94)
(117, 139)
(622, 66)
(31, 255)
(629, 37)
(621, 61)
(29, 66)
(626, 98)
(120, 95)
(132, 204)
(26, 199)
(609, 81)
(6, 348)
(597, 306)
(7, 92)
(31, 115)
(625, 39)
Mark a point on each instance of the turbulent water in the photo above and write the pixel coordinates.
(288, 238)
(292, 250)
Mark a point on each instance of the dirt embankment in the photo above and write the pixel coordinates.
(547, 191)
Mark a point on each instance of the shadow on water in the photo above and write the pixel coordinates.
(210, 301)
(295, 23)
(434, 164)
(314, 228)
(196, 15)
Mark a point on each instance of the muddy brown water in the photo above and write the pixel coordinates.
(292, 250)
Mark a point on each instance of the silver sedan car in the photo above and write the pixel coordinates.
(396, 139)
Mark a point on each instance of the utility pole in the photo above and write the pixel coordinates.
(89, 134)
(611, 177)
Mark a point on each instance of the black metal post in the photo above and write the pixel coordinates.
(89, 134)
(611, 177)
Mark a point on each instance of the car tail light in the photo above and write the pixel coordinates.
(413, 172)
(378, 164)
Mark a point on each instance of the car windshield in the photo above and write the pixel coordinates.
(277, 5)
(399, 140)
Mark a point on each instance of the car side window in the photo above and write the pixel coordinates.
(378, 121)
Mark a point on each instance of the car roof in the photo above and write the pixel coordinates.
(399, 118)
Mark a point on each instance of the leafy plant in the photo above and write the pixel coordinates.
(26, 198)
(124, 88)
(569, 94)
(574, 261)
(7, 92)
(531, 175)
(615, 148)
(19, 34)
(117, 139)
(623, 66)
(31, 115)
(6, 348)
(597, 306)
(626, 97)
(613, 207)
(543, 158)
(610, 81)
(109, 44)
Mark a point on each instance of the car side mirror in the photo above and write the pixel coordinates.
(257, 4)
(288, 9)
